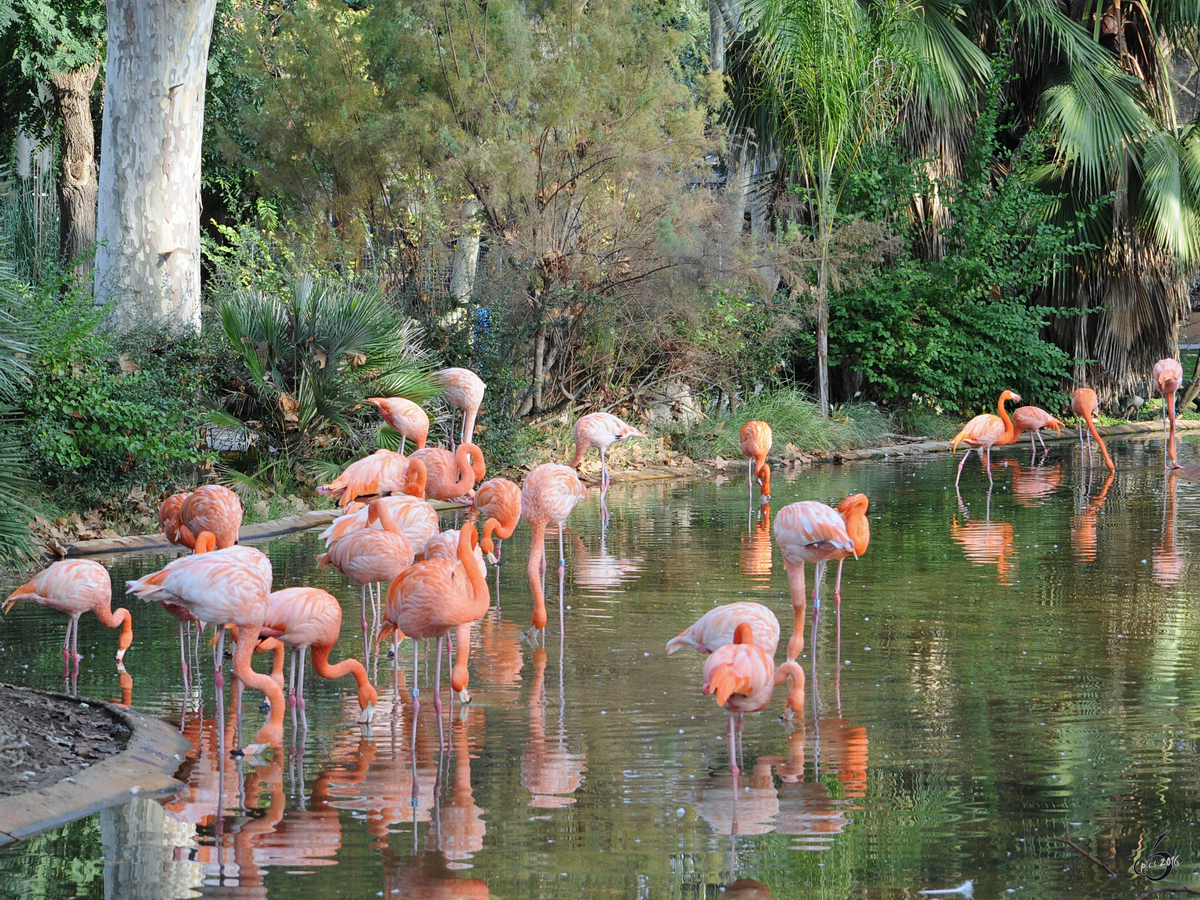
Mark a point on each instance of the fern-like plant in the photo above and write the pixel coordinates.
(314, 355)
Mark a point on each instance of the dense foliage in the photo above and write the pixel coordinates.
(954, 332)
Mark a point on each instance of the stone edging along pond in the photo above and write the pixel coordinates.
(147, 765)
(136, 543)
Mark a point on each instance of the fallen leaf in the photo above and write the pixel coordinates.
(127, 365)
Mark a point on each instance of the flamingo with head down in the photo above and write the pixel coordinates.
(451, 476)
(755, 440)
(1083, 404)
(1168, 376)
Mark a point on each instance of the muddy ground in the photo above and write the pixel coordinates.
(45, 738)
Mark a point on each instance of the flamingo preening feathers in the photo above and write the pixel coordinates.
(405, 417)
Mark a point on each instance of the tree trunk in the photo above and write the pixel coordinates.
(823, 320)
(149, 212)
(716, 36)
(77, 187)
(466, 258)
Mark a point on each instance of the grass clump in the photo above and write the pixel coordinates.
(794, 419)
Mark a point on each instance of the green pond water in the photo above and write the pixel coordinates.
(1004, 668)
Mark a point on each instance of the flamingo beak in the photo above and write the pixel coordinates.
(255, 749)
(9, 604)
(365, 717)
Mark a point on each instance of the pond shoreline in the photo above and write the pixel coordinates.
(139, 543)
(146, 764)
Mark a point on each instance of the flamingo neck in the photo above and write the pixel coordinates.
(205, 542)
(416, 478)
(466, 472)
(468, 540)
(536, 550)
(764, 476)
(271, 734)
(380, 512)
(459, 675)
(791, 672)
(1010, 435)
(1087, 417)
(113, 619)
(367, 695)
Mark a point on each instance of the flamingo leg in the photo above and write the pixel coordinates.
(988, 466)
(366, 641)
(817, 576)
(1041, 440)
(218, 661)
(562, 570)
(416, 691)
(437, 689)
(733, 766)
(962, 463)
(453, 414)
(300, 690)
(750, 478)
(75, 657)
(837, 588)
(183, 658)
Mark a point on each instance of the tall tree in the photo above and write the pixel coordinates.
(826, 78)
(59, 45)
(149, 210)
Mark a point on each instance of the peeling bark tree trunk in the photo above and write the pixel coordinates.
(466, 259)
(716, 36)
(149, 212)
(77, 187)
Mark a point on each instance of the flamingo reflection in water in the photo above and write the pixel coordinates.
(1167, 561)
(986, 543)
(549, 770)
(602, 572)
(457, 827)
(1083, 528)
(1031, 485)
(755, 558)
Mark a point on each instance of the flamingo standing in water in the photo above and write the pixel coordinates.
(431, 598)
(213, 508)
(76, 586)
(463, 389)
(369, 556)
(808, 532)
(854, 513)
(551, 491)
(451, 476)
(983, 432)
(600, 430)
(303, 618)
(717, 626)
(499, 501)
(405, 417)
(1083, 404)
(743, 676)
(1168, 376)
(225, 587)
(1033, 420)
(755, 438)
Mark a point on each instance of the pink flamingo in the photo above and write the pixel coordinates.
(416, 518)
(1083, 404)
(743, 676)
(717, 626)
(369, 556)
(1033, 420)
(463, 389)
(213, 508)
(445, 546)
(985, 431)
(600, 430)
(429, 599)
(76, 586)
(383, 472)
(302, 618)
(808, 532)
(225, 587)
(551, 491)
(854, 513)
(755, 439)
(451, 476)
(499, 502)
(170, 523)
(1168, 376)
(405, 417)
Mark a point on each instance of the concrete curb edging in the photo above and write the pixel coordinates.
(146, 765)
(249, 534)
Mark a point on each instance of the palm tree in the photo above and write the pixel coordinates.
(820, 79)
(1097, 77)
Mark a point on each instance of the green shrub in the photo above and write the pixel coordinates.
(105, 411)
